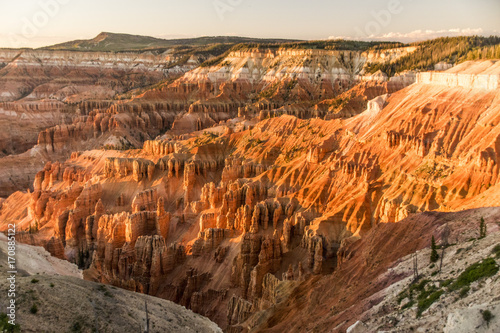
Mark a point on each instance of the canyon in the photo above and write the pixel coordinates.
(269, 189)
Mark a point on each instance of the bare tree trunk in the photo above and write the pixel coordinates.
(444, 243)
(146, 326)
(442, 255)
(96, 329)
(415, 267)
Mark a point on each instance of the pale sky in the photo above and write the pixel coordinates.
(35, 23)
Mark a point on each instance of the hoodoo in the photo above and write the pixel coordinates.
(270, 186)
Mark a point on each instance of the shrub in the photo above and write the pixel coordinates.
(34, 281)
(6, 327)
(446, 283)
(464, 291)
(485, 268)
(76, 327)
(487, 316)
(408, 305)
(34, 309)
(426, 295)
(425, 303)
(496, 250)
(402, 295)
(419, 287)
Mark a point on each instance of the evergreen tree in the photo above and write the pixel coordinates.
(482, 229)
(434, 254)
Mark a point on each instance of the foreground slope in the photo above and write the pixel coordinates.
(66, 303)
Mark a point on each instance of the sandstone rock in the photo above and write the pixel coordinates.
(357, 327)
(238, 310)
(145, 201)
(209, 240)
(163, 220)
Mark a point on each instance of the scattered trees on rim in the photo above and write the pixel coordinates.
(449, 49)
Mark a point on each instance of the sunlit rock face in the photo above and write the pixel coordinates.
(236, 186)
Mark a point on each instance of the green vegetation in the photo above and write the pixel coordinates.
(123, 145)
(76, 327)
(426, 294)
(205, 139)
(339, 44)
(102, 288)
(291, 154)
(33, 229)
(464, 291)
(482, 269)
(332, 44)
(215, 60)
(427, 298)
(496, 250)
(34, 309)
(413, 288)
(448, 49)
(269, 91)
(116, 42)
(212, 50)
(446, 283)
(434, 254)
(408, 305)
(5, 327)
(487, 316)
(34, 281)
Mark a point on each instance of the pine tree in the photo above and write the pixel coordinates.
(434, 254)
(482, 229)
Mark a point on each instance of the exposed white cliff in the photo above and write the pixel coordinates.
(473, 81)
(258, 66)
(472, 75)
(122, 61)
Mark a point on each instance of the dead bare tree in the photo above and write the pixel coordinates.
(415, 267)
(146, 325)
(442, 255)
(444, 243)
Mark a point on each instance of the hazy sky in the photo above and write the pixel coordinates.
(37, 23)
